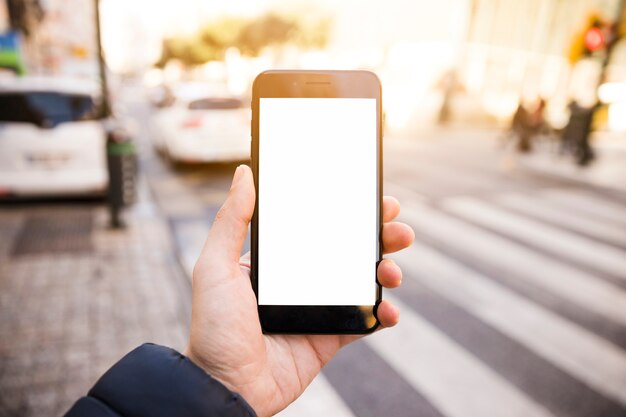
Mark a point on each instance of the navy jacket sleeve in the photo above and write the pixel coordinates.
(155, 381)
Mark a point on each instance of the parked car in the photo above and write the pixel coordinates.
(52, 141)
(193, 125)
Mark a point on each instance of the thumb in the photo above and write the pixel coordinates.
(222, 248)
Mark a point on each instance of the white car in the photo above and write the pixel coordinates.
(51, 141)
(194, 127)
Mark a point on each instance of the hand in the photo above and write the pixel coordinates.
(269, 371)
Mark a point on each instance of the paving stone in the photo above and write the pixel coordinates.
(67, 315)
(55, 231)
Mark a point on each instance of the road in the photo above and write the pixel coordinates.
(514, 294)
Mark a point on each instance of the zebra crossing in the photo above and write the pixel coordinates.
(418, 351)
(513, 301)
(575, 222)
(512, 304)
(550, 239)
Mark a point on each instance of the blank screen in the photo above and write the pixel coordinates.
(317, 204)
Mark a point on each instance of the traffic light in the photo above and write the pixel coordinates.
(591, 41)
(595, 36)
(594, 40)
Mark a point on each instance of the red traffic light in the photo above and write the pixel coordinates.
(594, 39)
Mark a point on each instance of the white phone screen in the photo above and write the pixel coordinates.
(317, 205)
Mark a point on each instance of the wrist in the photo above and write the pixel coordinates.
(197, 360)
(253, 401)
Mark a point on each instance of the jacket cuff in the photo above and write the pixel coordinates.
(155, 381)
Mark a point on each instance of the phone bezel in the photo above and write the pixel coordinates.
(315, 84)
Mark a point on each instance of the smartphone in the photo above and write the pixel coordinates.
(316, 229)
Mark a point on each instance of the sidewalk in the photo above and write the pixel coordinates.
(75, 296)
(608, 170)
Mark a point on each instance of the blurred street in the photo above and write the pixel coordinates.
(512, 303)
(504, 141)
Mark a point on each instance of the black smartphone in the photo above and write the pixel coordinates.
(316, 229)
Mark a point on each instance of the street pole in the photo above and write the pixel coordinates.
(106, 103)
(614, 39)
(114, 160)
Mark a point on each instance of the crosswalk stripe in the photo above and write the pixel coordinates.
(582, 354)
(591, 205)
(319, 399)
(596, 255)
(562, 280)
(452, 379)
(371, 387)
(565, 218)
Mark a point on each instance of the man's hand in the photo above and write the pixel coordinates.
(269, 371)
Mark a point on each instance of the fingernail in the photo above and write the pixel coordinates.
(237, 176)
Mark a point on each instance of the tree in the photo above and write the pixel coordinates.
(250, 36)
(270, 29)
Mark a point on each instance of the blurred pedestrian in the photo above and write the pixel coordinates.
(528, 124)
(520, 130)
(575, 139)
(568, 137)
(537, 121)
(518, 124)
(533, 125)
